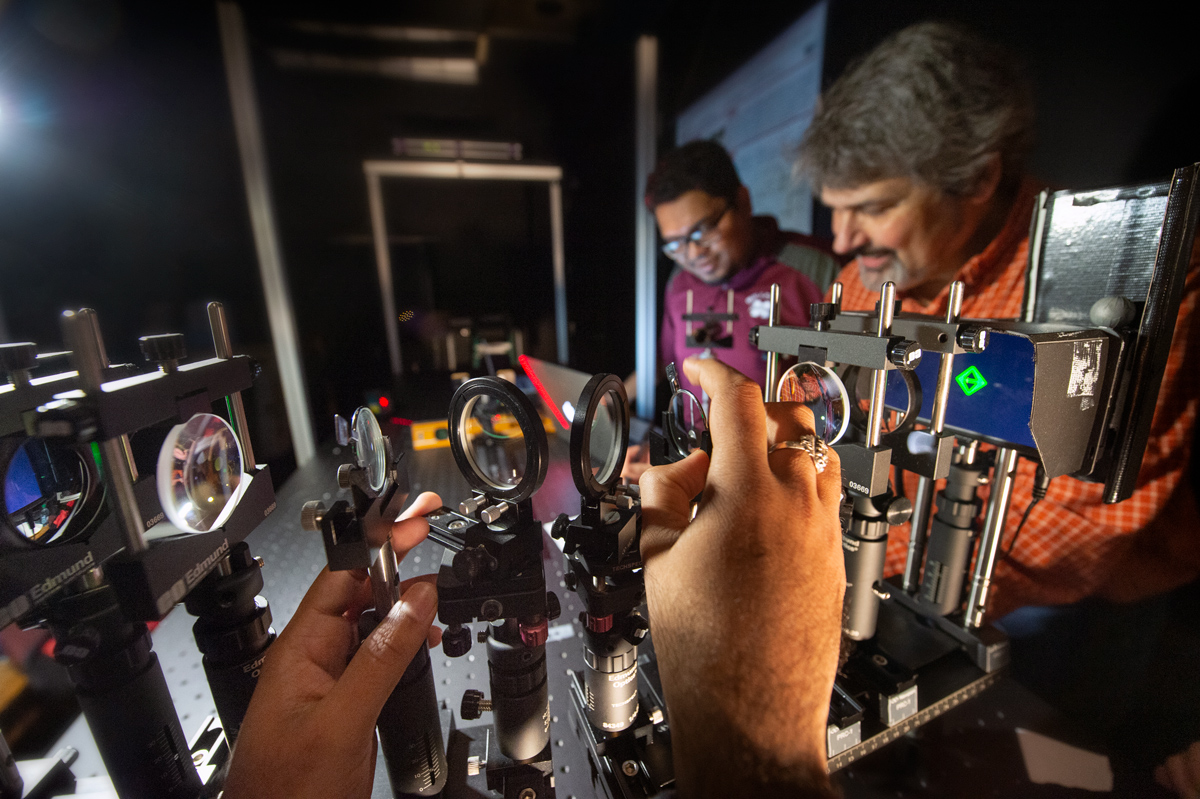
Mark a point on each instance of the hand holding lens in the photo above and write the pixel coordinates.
(357, 534)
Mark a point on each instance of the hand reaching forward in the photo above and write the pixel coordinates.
(745, 600)
(310, 728)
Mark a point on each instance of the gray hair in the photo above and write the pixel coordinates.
(933, 103)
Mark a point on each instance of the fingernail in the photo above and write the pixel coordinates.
(421, 598)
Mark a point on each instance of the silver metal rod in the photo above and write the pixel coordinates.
(887, 299)
(989, 539)
(93, 322)
(918, 533)
(645, 251)
(385, 583)
(237, 410)
(253, 154)
(772, 357)
(81, 332)
(941, 394)
(561, 328)
(835, 295)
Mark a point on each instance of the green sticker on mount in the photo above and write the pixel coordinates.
(970, 381)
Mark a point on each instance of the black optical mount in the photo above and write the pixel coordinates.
(122, 692)
(232, 631)
(493, 571)
(618, 712)
(667, 446)
(93, 558)
(356, 534)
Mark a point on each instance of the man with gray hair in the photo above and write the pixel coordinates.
(919, 150)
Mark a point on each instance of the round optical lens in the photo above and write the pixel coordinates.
(493, 441)
(687, 421)
(200, 473)
(822, 391)
(44, 487)
(369, 448)
(604, 443)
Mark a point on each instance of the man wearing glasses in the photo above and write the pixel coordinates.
(726, 259)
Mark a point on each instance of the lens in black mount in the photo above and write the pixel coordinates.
(200, 479)
(821, 391)
(52, 491)
(599, 436)
(497, 439)
(370, 448)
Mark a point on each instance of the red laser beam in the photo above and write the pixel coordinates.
(542, 392)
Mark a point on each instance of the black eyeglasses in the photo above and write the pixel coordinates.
(703, 233)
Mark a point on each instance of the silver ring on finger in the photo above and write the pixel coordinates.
(815, 447)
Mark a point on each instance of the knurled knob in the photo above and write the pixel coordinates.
(473, 705)
(905, 354)
(167, 347)
(559, 528)
(821, 312)
(973, 339)
(637, 629)
(553, 606)
(311, 515)
(21, 355)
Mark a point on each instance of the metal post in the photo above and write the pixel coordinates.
(253, 154)
(81, 332)
(923, 499)
(237, 411)
(989, 539)
(772, 357)
(887, 300)
(383, 266)
(560, 271)
(646, 276)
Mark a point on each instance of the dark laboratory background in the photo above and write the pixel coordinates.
(121, 189)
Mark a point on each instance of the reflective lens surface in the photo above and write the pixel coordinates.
(822, 391)
(44, 487)
(493, 441)
(687, 420)
(604, 443)
(369, 448)
(200, 473)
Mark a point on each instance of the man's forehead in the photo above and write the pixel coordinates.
(888, 189)
(677, 216)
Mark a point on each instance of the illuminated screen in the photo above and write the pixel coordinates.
(991, 394)
(20, 484)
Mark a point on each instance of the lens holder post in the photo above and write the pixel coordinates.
(357, 535)
(493, 571)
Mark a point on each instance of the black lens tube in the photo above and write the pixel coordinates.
(124, 696)
(865, 547)
(951, 537)
(232, 631)
(610, 679)
(520, 693)
(410, 732)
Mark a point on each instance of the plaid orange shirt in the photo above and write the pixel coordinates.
(1073, 545)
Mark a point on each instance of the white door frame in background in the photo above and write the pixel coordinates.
(461, 170)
